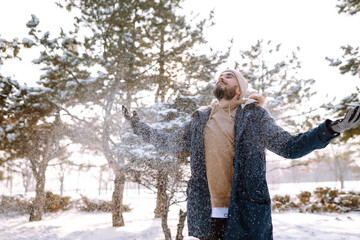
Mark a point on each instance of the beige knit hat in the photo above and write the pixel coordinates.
(243, 83)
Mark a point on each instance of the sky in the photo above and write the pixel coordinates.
(314, 26)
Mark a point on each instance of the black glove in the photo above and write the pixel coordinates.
(133, 119)
(351, 118)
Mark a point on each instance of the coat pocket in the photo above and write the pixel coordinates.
(258, 193)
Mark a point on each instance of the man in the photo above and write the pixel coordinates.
(228, 197)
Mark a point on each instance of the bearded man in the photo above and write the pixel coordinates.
(228, 196)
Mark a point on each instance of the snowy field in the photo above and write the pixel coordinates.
(141, 225)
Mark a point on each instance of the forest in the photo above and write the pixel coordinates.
(65, 144)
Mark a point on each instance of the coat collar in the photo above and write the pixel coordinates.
(242, 103)
(204, 112)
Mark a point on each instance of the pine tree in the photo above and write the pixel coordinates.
(114, 44)
(29, 128)
(349, 63)
(274, 75)
(61, 86)
(32, 133)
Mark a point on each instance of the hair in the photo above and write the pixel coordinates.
(258, 97)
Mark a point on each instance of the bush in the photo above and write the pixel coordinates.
(304, 197)
(14, 205)
(323, 200)
(282, 203)
(54, 203)
(88, 205)
(94, 205)
(19, 205)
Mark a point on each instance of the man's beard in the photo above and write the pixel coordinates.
(221, 92)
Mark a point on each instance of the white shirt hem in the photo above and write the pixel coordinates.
(219, 212)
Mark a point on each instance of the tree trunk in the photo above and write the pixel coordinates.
(39, 163)
(161, 91)
(164, 203)
(9, 181)
(341, 178)
(117, 200)
(100, 180)
(37, 207)
(161, 196)
(62, 179)
(181, 224)
(61, 175)
(26, 177)
(164, 222)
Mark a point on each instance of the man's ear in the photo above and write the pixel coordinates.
(238, 91)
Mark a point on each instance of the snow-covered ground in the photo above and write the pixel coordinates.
(140, 223)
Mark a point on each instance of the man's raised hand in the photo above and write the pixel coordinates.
(351, 118)
(133, 119)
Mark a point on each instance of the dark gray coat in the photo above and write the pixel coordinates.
(250, 204)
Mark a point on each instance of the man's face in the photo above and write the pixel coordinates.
(227, 86)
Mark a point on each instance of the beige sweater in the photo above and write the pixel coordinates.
(219, 153)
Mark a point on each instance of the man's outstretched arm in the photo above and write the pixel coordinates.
(167, 142)
(286, 145)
